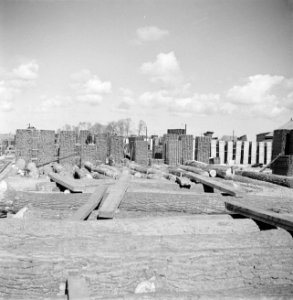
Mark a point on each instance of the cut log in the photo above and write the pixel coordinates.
(38, 256)
(221, 171)
(113, 198)
(94, 200)
(183, 182)
(194, 170)
(211, 182)
(276, 179)
(67, 183)
(77, 288)
(274, 219)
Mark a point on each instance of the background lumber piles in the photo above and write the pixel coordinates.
(67, 141)
(202, 148)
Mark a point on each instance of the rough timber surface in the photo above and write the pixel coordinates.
(39, 256)
(272, 218)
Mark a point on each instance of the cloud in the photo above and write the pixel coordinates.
(164, 69)
(89, 88)
(27, 71)
(13, 83)
(262, 95)
(150, 34)
(127, 99)
(49, 103)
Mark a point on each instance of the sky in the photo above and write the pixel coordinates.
(214, 65)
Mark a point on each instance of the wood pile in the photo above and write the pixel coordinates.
(67, 141)
(102, 150)
(116, 148)
(202, 148)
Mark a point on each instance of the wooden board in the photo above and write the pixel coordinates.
(77, 288)
(213, 183)
(94, 200)
(238, 152)
(113, 198)
(66, 182)
(253, 153)
(275, 219)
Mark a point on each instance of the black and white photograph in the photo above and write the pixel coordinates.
(146, 149)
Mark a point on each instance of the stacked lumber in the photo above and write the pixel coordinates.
(187, 147)
(89, 153)
(172, 149)
(46, 146)
(280, 139)
(67, 141)
(116, 148)
(138, 150)
(283, 165)
(202, 148)
(102, 150)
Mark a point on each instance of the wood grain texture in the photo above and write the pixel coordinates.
(275, 219)
(39, 256)
(94, 200)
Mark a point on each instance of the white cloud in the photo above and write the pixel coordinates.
(89, 88)
(49, 103)
(13, 83)
(164, 69)
(151, 33)
(127, 99)
(262, 95)
(27, 71)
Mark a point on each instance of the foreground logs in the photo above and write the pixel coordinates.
(39, 256)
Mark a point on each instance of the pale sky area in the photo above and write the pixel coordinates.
(218, 65)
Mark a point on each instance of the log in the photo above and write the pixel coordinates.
(113, 198)
(67, 183)
(77, 288)
(194, 170)
(94, 200)
(38, 256)
(222, 171)
(270, 163)
(211, 182)
(275, 179)
(279, 220)
(183, 182)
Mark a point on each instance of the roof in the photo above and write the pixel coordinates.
(288, 125)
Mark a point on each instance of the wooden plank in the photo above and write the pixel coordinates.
(77, 288)
(229, 152)
(222, 151)
(253, 153)
(65, 182)
(112, 200)
(245, 152)
(275, 219)
(238, 152)
(211, 182)
(5, 170)
(261, 149)
(214, 148)
(269, 152)
(94, 200)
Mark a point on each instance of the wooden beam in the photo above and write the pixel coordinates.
(208, 181)
(4, 171)
(279, 220)
(66, 182)
(113, 198)
(94, 200)
(77, 288)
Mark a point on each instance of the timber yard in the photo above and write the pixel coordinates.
(103, 216)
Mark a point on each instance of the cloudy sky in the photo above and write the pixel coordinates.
(218, 65)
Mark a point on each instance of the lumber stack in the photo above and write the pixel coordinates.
(101, 143)
(67, 141)
(116, 148)
(202, 148)
(187, 147)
